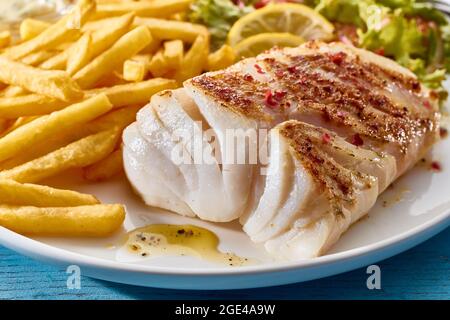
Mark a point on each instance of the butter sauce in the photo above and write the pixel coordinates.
(182, 240)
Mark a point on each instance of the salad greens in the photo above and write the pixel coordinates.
(413, 33)
(218, 16)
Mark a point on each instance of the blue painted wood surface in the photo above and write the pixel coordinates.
(420, 273)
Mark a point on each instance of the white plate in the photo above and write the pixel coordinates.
(416, 208)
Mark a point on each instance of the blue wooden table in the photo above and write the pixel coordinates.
(420, 273)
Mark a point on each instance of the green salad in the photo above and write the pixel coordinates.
(411, 32)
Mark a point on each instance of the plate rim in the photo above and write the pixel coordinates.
(35, 248)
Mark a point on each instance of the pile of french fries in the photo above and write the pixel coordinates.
(67, 91)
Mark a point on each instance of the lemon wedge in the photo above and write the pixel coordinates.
(256, 44)
(297, 19)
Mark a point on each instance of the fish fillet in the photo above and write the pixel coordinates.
(338, 125)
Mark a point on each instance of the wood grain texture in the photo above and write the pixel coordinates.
(420, 273)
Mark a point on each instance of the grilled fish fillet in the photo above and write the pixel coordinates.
(343, 124)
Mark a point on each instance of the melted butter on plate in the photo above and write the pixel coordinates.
(181, 240)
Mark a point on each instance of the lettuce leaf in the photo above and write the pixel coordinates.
(413, 33)
(218, 16)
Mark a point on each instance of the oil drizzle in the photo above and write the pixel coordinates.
(183, 240)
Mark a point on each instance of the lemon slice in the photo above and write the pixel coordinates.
(297, 19)
(254, 45)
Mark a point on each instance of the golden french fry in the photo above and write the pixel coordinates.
(119, 118)
(83, 221)
(173, 53)
(180, 16)
(66, 28)
(173, 30)
(138, 93)
(105, 168)
(14, 91)
(35, 58)
(79, 55)
(5, 38)
(102, 39)
(56, 123)
(152, 47)
(16, 124)
(143, 57)
(30, 28)
(81, 153)
(26, 194)
(119, 96)
(155, 8)
(134, 70)
(158, 65)
(4, 124)
(126, 47)
(52, 83)
(194, 61)
(222, 58)
(57, 62)
(29, 105)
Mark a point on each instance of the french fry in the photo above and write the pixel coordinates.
(152, 47)
(56, 123)
(81, 153)
(35, 58)
(126, 47)
(30, 28)
(134, 70)
(194, 61)
(111, 79)
(99, 24)
(16, 124)
(5, 38)
(26, 194)
(155, 8)
(143, 57)
(79, 54)
(102, 39)
(158, 65)
(57, 62)
(173, 30)
(84, 221)
(66, 28)
(119, 118)
(28, 105)
(173, 53)
(105, 168)
(119, 96)
(14, 91)
(222, 58)
(52, 83)
(135, 93)
(4, 124)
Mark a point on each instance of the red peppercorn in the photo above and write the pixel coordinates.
(436, 166)
(269, 99)
(259, 69)
(279, 95)
(427, 104)
(337, 58)
(357, 140)
(292, 69)
(261, 3)
(248, 77)
(326, 138)
(380, 51)
(279, 73)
